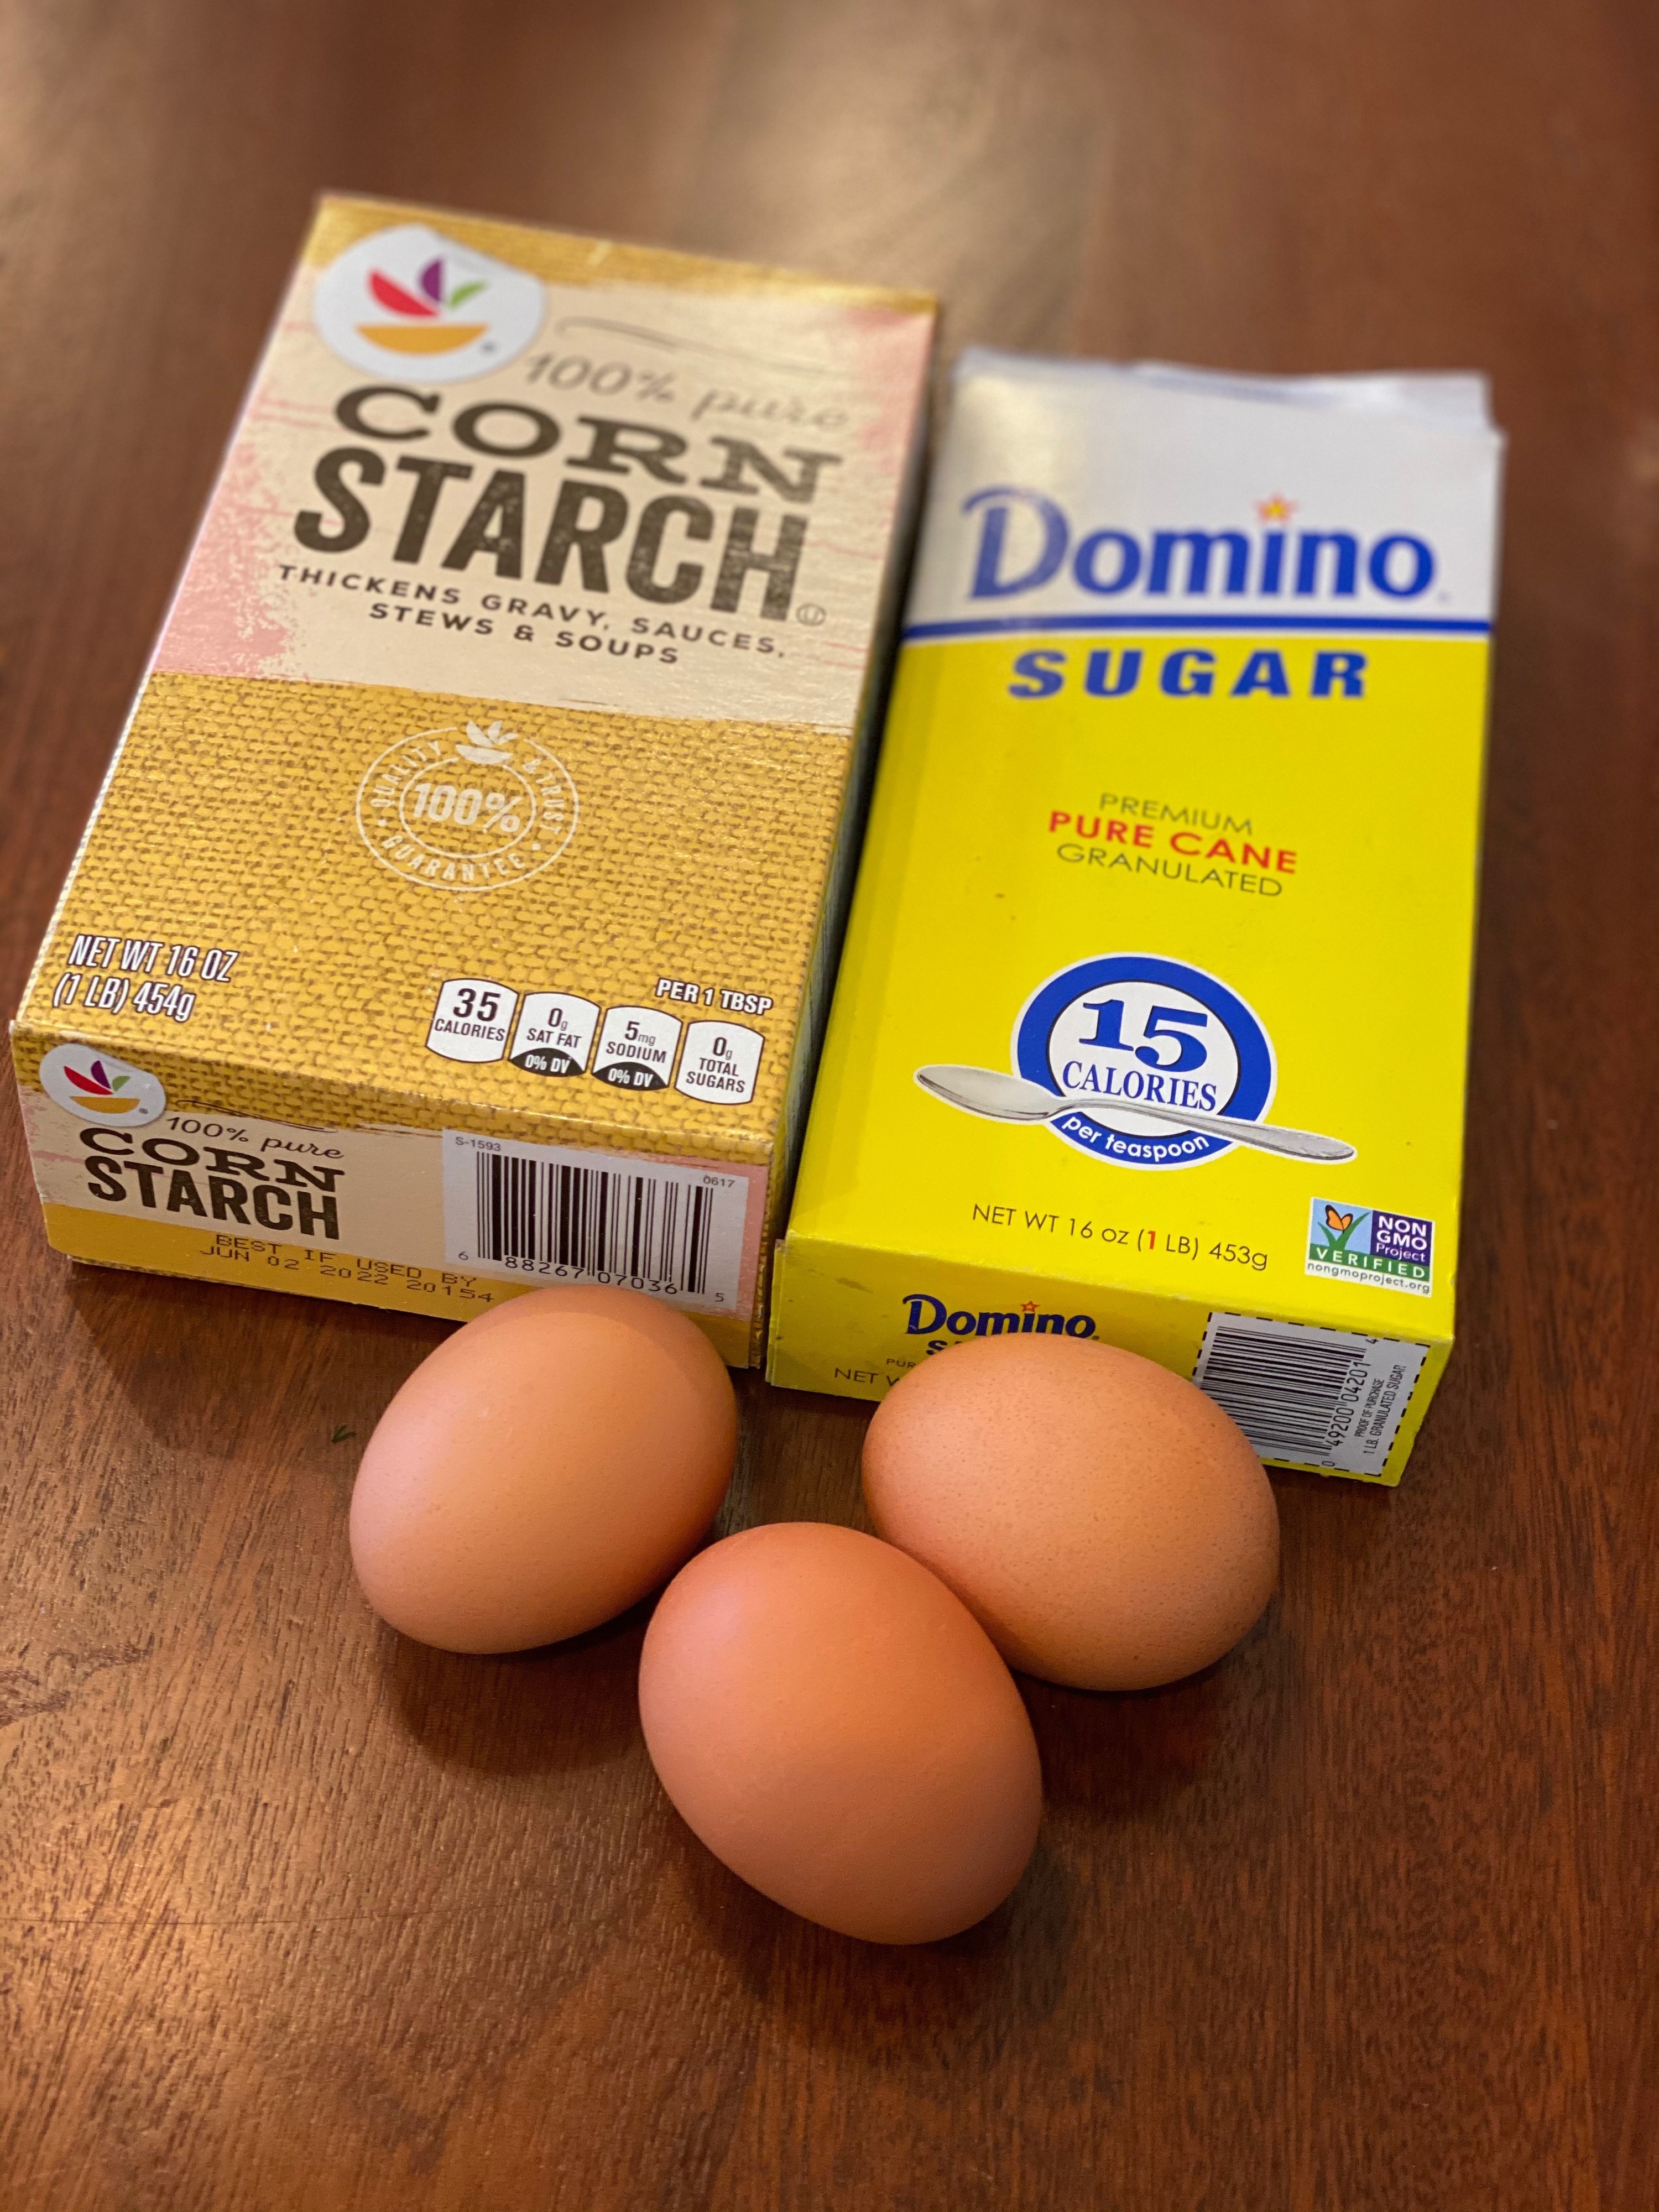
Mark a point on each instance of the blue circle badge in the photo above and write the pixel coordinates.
(1133, 1028)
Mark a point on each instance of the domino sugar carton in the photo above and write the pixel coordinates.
(1151, 1021)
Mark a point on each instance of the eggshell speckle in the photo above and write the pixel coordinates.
(1109, 1525)
(548, 1466)
(836, 1727)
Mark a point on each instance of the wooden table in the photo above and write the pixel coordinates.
(298, 1915)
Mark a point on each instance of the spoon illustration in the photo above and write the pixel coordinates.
(1012, 1098)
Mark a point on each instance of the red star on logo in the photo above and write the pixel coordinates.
(1276, 509)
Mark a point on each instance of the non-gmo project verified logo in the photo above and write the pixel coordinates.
(1392, 1251)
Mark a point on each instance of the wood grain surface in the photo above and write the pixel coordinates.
(295, 1916)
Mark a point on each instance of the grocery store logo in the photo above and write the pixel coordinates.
(96, 1086)
(1352, 1243)
(411, 297)
(425, 328)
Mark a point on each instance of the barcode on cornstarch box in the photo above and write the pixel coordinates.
(551, 1213)
(1309, 1397)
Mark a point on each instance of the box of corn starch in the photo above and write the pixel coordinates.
(454, 915)
(1151, 1021)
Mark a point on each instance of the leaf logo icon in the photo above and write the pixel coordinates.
(487, 746)
(393, 296)
(432, 283)
(424, 305)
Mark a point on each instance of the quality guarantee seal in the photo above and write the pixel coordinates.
(467, 809)
(1133, 1026)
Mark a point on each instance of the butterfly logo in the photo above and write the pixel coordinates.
(1339, 1225)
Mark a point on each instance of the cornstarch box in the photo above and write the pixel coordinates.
(452, 917)
(1151, 1021)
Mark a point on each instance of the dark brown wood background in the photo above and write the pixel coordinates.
(293, 1915)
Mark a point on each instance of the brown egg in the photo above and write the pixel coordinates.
(837, 1728)
(1109, 1526)
(545, 1467)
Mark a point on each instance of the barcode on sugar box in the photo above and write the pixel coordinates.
(1320, 1398)
(557, 1213)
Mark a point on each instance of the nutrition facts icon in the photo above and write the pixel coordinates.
(636, 1049)
(721, 1063)
(554, 1033)
(471, 1020)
